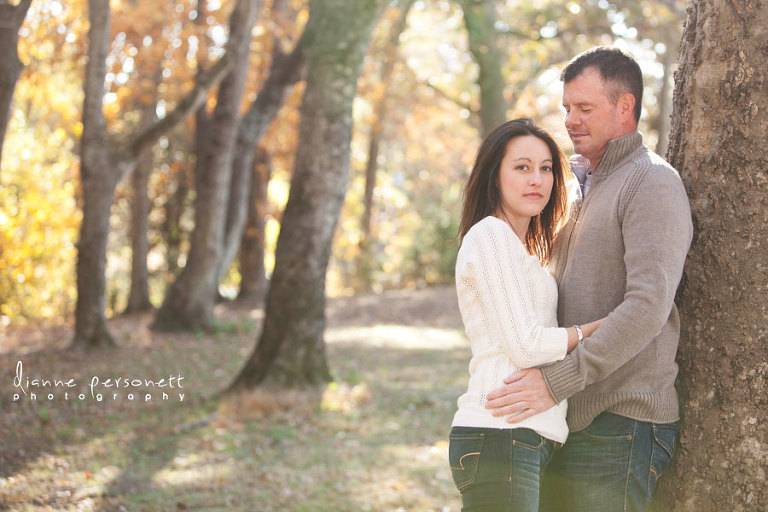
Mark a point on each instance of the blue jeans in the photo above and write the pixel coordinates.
(498, 470)
(610, 466)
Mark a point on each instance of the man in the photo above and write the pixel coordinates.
(622, 255)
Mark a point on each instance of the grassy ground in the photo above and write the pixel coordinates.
(374, 441)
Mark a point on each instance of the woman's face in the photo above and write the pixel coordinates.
(525, 178)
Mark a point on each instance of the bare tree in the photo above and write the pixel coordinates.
(291, 347)
(138, 297)
(103, 164)
(285, 71)
(390, 58)
(190, 299)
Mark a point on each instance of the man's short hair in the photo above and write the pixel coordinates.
(620, 72)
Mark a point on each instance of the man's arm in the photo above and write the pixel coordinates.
(657, 232)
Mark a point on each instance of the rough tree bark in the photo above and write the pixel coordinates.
(365, 263)
(11, 18)
(291, 349)
(190, 300)
(102, 167)
(480, 18)
(253, 281)
(719, 123)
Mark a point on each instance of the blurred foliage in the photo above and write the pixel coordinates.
(39, 215)
(430, 133)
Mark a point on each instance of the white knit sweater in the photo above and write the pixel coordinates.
(508, 303)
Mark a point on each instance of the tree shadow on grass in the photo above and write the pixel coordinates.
(35, 420)
(391, 450)
(58, 452)
(150, 445)
(380, 453)
(404, 351)
(67, 457)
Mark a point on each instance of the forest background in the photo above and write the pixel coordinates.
(427, 136)
(185, 183)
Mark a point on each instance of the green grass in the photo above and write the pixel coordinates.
(376, 442)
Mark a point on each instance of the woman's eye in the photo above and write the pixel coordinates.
(546, 168)
(522, 167)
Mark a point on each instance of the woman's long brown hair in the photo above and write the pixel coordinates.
(482, 197)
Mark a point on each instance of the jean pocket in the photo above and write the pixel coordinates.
(464, 456)
(663, 449)
(611, 426)
(528, 439)
(609, 438)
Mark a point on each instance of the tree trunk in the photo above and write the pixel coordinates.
(285, 71)
(717, 143)
(11, 18)
(138, 298)
(190, 300)
(99, 177)
(291, 349)
(253, 281)
(365, 263)
(480, 19)
(101, 170)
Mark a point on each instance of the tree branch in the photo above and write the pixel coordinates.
(16, 13)
(285, 70)
(24, 6)
(184, 107)
(441, 92)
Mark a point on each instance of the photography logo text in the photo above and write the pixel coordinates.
(97, 387)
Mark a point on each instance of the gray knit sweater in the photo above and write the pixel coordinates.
(622, 255)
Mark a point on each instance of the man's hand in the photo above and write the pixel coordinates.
(524, 395)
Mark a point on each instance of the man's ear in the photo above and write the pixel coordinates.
(627, 105)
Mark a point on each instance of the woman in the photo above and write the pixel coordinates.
(514, 202)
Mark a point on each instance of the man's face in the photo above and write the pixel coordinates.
(591, 118)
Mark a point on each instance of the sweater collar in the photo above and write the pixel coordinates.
(617, 150)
